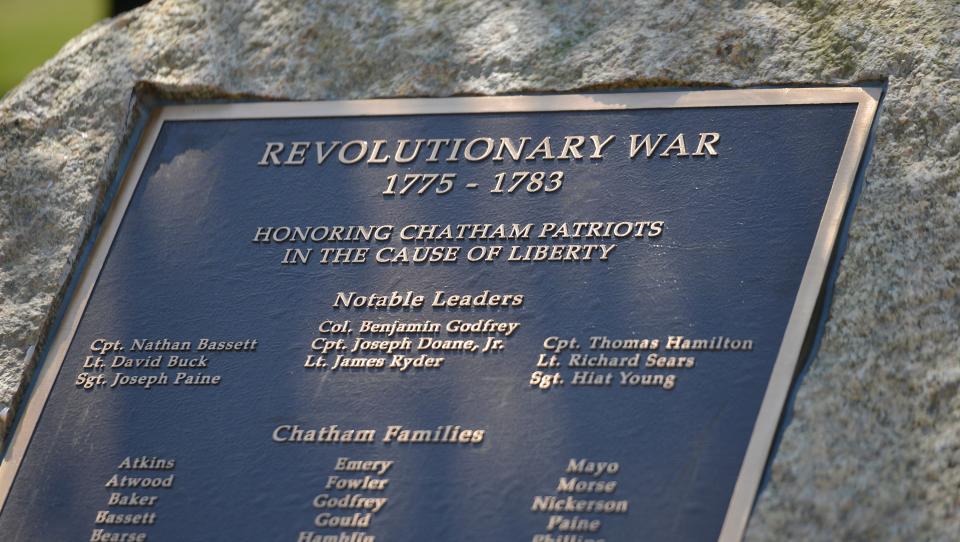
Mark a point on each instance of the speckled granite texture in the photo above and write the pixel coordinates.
(873, 449)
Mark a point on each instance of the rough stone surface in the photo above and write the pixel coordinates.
(873, 448)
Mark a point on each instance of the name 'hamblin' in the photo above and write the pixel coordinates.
(479, 149)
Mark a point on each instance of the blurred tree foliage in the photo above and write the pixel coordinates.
(32, 31)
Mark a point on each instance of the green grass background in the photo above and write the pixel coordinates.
(32, 31)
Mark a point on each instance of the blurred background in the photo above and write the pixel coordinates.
(32, 31)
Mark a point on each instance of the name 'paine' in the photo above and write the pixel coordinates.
(480, 149)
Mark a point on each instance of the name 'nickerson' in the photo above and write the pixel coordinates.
(480, 149)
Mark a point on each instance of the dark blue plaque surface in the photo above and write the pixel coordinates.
(184, 264)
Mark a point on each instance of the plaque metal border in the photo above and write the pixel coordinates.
(788, 356)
